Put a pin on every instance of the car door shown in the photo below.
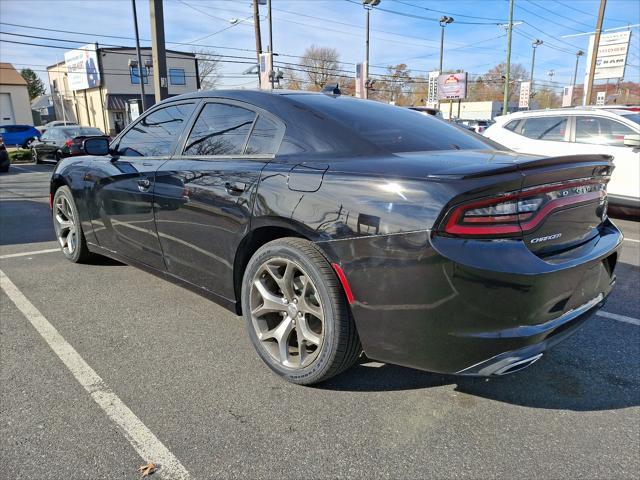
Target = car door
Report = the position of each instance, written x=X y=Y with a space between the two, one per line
x=46 y=146
x=597 y=134
x=205 y=193
x=544 y=135
x=121 y=197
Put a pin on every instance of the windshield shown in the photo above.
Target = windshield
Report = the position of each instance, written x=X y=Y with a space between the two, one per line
x=392 y=128
x=81 y=132
x=634 y=117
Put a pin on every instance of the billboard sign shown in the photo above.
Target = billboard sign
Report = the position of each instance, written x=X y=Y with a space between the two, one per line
x=452 y=86
x=612 y=55
x=525 y=94
x=82 y=68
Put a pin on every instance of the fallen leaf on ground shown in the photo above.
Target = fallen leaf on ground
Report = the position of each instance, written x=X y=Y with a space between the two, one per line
x=146 y=469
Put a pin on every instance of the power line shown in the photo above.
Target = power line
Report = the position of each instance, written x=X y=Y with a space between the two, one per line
x=559 y=15
x=501 y=20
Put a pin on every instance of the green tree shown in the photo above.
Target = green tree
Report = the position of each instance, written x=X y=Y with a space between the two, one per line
x=34 y=84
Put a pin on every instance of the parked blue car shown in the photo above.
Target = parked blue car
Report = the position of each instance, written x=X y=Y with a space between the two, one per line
x=20 y=135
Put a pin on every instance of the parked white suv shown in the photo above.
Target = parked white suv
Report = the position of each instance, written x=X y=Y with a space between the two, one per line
x=572 y=131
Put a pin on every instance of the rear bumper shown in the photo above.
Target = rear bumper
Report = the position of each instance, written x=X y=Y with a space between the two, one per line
x=470 y=307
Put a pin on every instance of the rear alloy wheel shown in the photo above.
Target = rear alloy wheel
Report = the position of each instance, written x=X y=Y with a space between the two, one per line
x=296 y=313
x=34 y=155
x=66 y=223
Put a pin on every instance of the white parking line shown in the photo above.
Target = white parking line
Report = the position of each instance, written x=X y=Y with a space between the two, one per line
x=619 y=318
x=139 y=436
x=631 y=240
x=26 y=254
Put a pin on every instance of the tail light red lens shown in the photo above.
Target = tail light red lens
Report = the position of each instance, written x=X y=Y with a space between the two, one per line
x=520 y=212
x=69 y=143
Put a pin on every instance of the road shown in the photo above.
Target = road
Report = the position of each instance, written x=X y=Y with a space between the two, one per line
x=185 y=369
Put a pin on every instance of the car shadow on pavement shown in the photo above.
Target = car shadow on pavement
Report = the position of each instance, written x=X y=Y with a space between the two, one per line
x=25 y=221
x=571 y=376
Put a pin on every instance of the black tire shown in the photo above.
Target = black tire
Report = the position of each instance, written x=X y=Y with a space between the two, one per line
x=81 y=253
x=58 y=156
x=34 y=156
x=341 y=346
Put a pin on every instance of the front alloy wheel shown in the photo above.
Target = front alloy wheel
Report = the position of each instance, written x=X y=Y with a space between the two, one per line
x=296 y=312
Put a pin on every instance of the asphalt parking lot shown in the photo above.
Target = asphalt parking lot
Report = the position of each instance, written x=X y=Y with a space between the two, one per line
x=200 y=400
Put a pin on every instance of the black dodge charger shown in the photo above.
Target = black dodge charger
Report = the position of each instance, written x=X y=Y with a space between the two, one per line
x=336 y=225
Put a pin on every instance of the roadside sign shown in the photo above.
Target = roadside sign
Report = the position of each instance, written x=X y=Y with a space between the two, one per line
x=266 y=66
x=360 y=80
x=452 y=86
x=600 y=99
x=432 y=94
x=567 y=96
x=525 y=94
x=612 y=55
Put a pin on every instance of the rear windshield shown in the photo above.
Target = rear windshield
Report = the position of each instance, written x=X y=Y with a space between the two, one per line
x=81 y=132
x=392 y=128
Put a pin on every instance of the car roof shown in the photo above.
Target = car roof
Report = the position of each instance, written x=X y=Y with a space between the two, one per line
x=605 y=112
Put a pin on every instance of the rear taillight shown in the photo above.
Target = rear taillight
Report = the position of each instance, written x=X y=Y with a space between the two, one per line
x=519 y=212
x=69 y=143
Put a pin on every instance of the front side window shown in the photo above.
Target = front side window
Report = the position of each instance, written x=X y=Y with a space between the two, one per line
x=155 y=134
x=135 y=75
x=601 y=131
x=176 y=76
x=545 y=128
x=221 y=129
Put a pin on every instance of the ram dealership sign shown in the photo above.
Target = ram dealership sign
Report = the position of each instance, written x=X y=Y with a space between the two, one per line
x=612 y=55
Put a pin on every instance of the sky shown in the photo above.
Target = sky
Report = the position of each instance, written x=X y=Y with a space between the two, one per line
x=402 y=31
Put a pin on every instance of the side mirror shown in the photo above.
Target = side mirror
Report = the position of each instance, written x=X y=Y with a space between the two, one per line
x=96 y=146
x=632 y=140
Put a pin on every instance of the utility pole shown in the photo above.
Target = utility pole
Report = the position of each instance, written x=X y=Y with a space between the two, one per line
x=271 y=74
x=368 y=5
x=594 y=52
x=579 y=53
x=534 y=45
x=158 y=51
x=256 y=27
x=140 y=65
x=505 y=101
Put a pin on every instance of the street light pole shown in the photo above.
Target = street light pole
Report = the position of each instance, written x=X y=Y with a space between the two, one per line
x=579 y=53
x=534 y=45
x=368 y=5
x=444 y=21
x=505 y=101
x=139 y=55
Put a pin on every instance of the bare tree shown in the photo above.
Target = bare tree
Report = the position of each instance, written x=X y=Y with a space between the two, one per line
x=319 y=65
x=490 y=86
x=208 y=68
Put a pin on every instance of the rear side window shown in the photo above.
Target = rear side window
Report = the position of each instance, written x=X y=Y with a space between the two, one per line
x=155 y=134
x=512 y=125
x=392 y=128
x=601 y=131
x=220 y=129
x=263 y=138
x=545 y=128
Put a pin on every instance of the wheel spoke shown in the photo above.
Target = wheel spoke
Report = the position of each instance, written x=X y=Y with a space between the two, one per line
x=270 y=302
x=305 y=332
x=71 y=244
x=285 y=282
x=305 y=305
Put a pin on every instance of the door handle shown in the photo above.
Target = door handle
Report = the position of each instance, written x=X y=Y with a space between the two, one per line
x=234 y=188
x=144 y=184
